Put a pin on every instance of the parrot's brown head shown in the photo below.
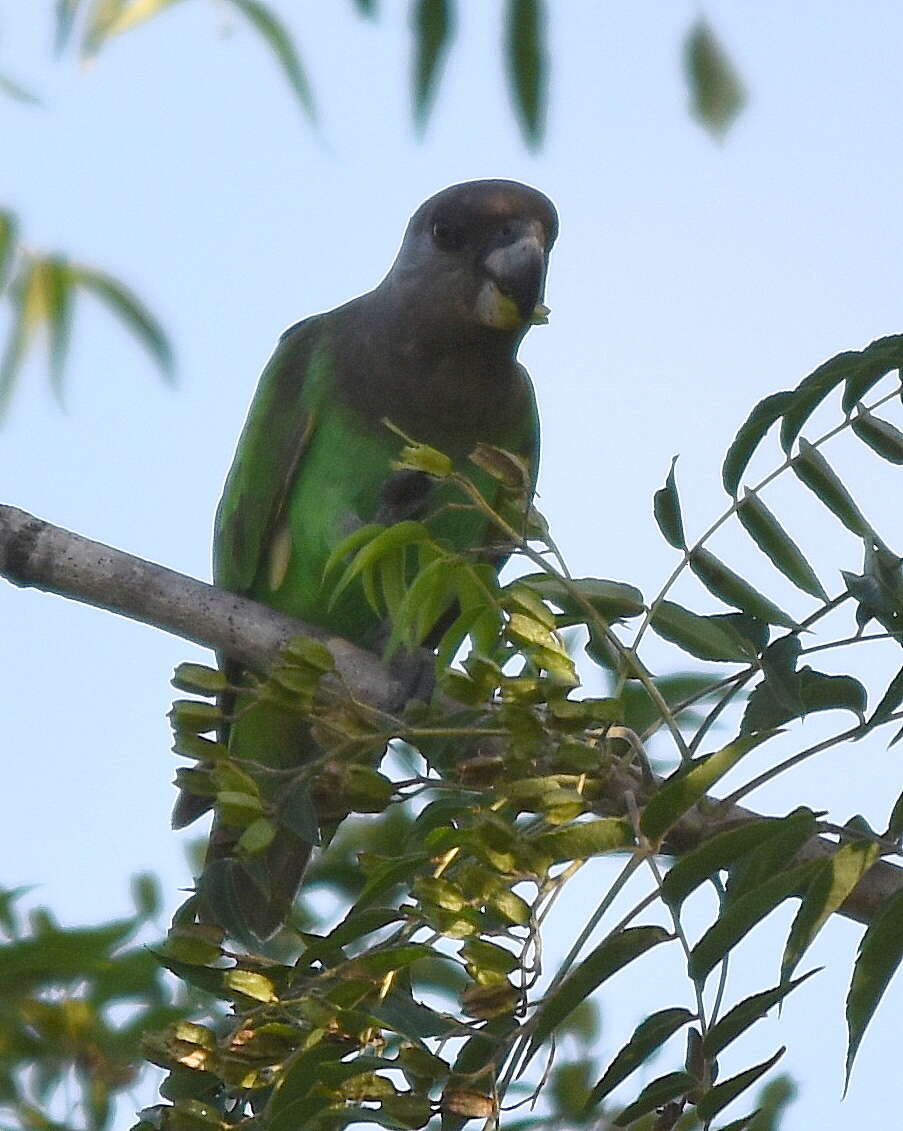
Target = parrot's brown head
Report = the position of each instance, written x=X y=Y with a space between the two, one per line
x=474 y=259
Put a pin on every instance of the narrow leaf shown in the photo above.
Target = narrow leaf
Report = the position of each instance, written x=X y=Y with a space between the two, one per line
x=65 y=18
x=716 y=92
x=274 y=32
x=705 y=637
x=648 y=1036
x=655 y=1095
x=666 y=507
x=742 y=1016
x=866 y=369
x=9 y=231
x=433 y=27
x=733 y=590
x=751 y=434
x=811 y=467
x=527 y=59
x=15 y=90
x=26 y=297
x=788 y=835
x=129 y=308
x=776 y=543
x=723 y=1094
x=611 y=599
x=682 y=791
x=611 y=955
x=740 y=917
x=58 y=287
x=830 y=887
x=880 y=952
x=810 y=393
x=880 y=435
x=581 y=841
x=711 y=857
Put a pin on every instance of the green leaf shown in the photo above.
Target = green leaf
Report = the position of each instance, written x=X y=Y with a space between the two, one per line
x=865 y=369
x=811 y=468
x=277 y=38
x=9 y=232
x=198 y=679
x=830 y=887
x=366 y=8
x=705 y=637
x=655 y=1095
x=648 y=1036
x=610 y=956
x=666 y=508
x=880 y=435
x=27 y=299
x=681 y=792
x=65 y=18
x=131 y=311
x=751 y=434
x=711 y=857
x=815 y=691
x=56 y=283
x=776 y=543
x=880 y=952
x=15 y=90
x=810 y=393
x=58 y=956
x=716 y=92
x=740 y=917
x=433 y=26
x=611 y=599
x=742 y=1016
x=723 y=1094
x=527 y=61
x=250 y=984
x=890 y=701
x=376 y=543
x=581 y=841
x=788 y=835
x=733 y=590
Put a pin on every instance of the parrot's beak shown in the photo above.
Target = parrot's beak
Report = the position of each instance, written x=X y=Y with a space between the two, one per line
x=512 y=294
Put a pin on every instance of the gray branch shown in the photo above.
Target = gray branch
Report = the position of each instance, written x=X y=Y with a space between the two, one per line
x=36 y=554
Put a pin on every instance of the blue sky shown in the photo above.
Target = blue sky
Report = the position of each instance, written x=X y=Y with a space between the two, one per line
x=691 y=278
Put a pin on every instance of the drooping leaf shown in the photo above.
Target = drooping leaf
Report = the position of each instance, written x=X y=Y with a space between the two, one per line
x=731 y=588
x=776 y=543
x=611 y=599
x=880 y=435
x=9 y=232
x=648 y=1036
x=723 y=1094
x=811 y=467
x=682 y=791
x=751 y=434
x=828 y=890
x=711 y=857
x=280 y=42
x=866 y=369
x=655 y=1095
x=705 y=637
x=740 y=917
x=666 y=507
x=27 y=298
x=810 y=393
x=610 y=956
x=742 y=1016
x=526 y=56
x=716 y=92
x=15 y=90
x=66 y=11
x=433 y=25
x=880 y=952
x=131 y=311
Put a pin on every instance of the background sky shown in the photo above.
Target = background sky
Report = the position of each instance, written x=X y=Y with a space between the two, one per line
x=691 y=278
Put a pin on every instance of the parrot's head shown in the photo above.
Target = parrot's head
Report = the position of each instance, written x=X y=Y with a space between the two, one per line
x=474 y=259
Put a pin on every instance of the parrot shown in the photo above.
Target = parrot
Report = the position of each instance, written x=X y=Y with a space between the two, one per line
x=433 y=350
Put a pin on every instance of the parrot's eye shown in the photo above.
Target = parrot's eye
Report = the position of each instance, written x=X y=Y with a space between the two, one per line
x=446 y=236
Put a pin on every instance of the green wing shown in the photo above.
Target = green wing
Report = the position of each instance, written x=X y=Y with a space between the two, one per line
x=277 y=432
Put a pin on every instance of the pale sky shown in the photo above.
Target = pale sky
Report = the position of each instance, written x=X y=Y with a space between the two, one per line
x=691 y=278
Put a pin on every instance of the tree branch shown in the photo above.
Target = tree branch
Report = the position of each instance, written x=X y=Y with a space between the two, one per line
x=36 y=554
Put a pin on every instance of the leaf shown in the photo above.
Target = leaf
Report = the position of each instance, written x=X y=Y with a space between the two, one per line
x=810 y=393
x=15 y=90
x=815 y=691
x=751 y=434
x=723 y=1094
x=880 y=952
x=880 y=435
x=527 y=60
x=262 y=17
x=711 y=857
x=129 y=308
x=776 y=543
x=666 y=508
x=788 y=836
x=648 y=1036
x=705 y=637
x=828 y=890
x=581 y=841
x=716 y=92
x=811 y=468
x=739 y=1019
x=611 y=599
x=681 y=792
x=611 y=955
x=733 y=590
x=297 y=812
x=379 y=541
x=866 y=369
x=433 y=27
x=9 y=232
x=740 y=917
x=28 y=298
x=65 y=18
x=655 y=1095
x=366 y=8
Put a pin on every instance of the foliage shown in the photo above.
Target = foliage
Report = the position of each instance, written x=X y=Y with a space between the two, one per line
x=427 y=994
x=40 y=287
